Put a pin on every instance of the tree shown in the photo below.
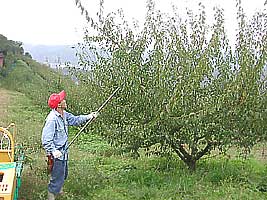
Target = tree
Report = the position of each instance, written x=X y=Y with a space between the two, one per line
x=181 y=91
x=10 y=46
x=27 y=54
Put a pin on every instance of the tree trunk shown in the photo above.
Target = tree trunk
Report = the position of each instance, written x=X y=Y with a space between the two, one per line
x=191 y=164
x=190 y=159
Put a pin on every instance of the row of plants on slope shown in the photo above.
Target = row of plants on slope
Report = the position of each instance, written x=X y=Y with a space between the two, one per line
x=11 y=51
x=35 y=80
x=21 y=73
x=183 y=88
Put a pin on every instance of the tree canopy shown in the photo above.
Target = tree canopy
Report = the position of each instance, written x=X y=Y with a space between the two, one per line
x=184 y=88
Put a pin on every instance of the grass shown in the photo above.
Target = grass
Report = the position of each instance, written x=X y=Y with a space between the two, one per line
x=98 y=171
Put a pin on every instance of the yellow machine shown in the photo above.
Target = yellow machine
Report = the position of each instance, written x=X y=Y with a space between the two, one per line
x=10 y=167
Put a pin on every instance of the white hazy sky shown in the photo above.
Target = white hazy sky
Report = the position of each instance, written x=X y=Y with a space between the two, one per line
x=55 y=22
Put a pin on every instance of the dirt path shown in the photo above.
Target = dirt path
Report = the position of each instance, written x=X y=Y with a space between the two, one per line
x=6 y=98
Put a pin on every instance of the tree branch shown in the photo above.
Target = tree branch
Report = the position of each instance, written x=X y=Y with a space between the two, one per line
x=204 y=151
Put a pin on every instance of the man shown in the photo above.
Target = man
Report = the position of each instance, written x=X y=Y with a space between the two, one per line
x=55 y=139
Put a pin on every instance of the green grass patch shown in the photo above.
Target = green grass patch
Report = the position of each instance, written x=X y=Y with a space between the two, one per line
x=96 y=174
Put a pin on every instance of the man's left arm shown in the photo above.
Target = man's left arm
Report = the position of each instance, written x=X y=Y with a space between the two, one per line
x=79 y=119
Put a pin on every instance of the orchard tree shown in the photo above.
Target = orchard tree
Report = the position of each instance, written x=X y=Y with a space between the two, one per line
x=184 y=88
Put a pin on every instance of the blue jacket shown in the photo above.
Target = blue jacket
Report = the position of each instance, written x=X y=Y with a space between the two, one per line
x=55 y=130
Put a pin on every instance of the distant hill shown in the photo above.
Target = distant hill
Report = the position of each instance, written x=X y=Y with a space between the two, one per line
x=52 y=54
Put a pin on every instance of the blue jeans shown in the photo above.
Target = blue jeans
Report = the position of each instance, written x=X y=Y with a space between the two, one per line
x=59 y=174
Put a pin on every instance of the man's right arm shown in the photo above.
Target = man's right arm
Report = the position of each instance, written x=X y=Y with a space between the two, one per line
x=48 y=136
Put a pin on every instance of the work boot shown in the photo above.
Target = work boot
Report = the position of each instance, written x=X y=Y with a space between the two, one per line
x=51 y=196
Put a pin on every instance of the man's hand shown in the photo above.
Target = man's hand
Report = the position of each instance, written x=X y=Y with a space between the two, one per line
x=92 y=115
x=56 y=154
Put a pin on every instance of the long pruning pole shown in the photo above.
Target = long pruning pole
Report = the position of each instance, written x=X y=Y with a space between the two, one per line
x=89 y=121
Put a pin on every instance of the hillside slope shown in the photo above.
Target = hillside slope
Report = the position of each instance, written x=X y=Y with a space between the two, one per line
x=33 y=79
